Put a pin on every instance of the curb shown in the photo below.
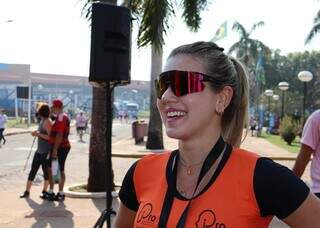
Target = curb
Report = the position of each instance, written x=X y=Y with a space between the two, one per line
x=86 y=195
x=17 y=133
x=22 y=131
x=123 y=155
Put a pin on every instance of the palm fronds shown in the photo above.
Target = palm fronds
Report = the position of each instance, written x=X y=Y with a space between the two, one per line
x=191 y=13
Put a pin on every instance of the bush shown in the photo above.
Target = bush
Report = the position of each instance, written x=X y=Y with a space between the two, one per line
x=288 y=129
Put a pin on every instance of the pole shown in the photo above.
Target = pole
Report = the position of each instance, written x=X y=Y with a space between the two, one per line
x=269 y=108
x=106 y=214
x=304 y=101
x=25 y=165
x=257 y=102
x=29 y=100
x=282 y=105
x=108 y=155
x=16 y=105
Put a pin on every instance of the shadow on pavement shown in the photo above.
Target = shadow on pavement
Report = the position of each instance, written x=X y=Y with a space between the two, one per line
x=50 y=214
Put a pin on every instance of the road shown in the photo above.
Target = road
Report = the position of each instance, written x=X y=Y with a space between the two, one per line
x=14 y=153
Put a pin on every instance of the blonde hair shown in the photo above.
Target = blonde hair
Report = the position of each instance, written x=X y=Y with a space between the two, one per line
x=226 y=71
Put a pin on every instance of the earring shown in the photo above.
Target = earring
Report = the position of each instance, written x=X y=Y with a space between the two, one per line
x=219 y=112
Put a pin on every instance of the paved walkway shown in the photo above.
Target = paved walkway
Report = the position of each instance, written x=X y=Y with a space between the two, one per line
x=75 y=212
x=15 y=130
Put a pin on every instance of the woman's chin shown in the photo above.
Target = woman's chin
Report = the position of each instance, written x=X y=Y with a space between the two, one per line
x=175 y=134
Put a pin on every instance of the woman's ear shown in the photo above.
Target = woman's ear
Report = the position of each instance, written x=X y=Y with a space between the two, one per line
x=224 y=98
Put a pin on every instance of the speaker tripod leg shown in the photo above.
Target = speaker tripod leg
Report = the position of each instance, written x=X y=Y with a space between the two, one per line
x=103 y=217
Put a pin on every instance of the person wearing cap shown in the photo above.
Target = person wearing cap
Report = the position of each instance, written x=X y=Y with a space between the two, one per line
x=60 y=147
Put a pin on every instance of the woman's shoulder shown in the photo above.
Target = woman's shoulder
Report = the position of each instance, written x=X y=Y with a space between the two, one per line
x=155 y=156
x=278 y=191
x=48 y=121
x=245 y=155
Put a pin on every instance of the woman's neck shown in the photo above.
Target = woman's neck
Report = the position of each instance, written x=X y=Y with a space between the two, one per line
x=197 y=148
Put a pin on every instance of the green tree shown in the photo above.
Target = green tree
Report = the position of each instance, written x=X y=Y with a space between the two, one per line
x=286 y=68
x=315 y=28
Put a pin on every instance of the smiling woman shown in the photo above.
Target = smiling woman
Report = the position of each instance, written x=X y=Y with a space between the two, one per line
x=203 y=103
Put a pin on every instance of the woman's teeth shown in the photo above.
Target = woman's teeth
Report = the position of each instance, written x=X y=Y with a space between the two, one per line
x=175 y=114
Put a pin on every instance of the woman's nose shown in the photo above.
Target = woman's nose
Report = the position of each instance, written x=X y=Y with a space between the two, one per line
x=168 y=96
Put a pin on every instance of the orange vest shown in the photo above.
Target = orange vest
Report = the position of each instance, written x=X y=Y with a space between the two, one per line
x=229 y=202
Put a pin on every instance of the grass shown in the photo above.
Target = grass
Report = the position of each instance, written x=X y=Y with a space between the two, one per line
x=79 y=188
x=143 y=114
x=19 y=123
x=278 y=141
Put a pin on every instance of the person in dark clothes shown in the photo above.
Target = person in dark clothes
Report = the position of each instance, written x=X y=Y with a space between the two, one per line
x=39 y=158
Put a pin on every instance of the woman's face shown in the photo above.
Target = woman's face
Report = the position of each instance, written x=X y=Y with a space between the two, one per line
x=191 y=114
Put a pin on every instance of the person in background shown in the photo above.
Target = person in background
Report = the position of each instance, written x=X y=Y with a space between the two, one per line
x=60 y=147
x=3 y=121
x=253 y=125
x=81 y=124
x=310 y=145
x=209 y=181
x=39 y=158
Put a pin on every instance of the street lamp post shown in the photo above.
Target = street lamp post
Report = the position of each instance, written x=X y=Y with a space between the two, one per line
x=269 y=94
x=283 y=86
x=304 y=76
x=275 y=97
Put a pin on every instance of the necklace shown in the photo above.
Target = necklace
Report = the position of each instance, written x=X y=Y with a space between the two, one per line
x=189 y=167
x=186 y=191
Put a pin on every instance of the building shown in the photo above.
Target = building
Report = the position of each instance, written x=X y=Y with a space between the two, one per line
x=75 y=91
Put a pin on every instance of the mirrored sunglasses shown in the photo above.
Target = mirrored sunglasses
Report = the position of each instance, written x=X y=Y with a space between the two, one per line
x=181 y=82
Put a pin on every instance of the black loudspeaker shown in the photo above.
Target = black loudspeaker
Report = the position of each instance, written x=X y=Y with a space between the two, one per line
x=22 y=92
x=110 y=58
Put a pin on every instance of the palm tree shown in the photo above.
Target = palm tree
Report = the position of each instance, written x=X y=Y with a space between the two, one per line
x=315 y=28
x=247 y=49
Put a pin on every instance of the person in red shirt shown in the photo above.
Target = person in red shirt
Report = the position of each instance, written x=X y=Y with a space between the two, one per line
x=60 y=147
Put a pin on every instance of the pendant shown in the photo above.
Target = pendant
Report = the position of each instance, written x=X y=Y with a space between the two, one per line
x=182 y=192
x=189 y=171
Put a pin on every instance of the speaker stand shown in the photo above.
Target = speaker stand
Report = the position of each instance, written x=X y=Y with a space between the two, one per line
x=106 y=214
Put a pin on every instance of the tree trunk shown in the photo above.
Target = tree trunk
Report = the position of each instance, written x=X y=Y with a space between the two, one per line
x=97 y=148
x=155 y=138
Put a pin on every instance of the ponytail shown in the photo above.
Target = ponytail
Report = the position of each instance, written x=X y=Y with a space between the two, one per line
x=235 y=117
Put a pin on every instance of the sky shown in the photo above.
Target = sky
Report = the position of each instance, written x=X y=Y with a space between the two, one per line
x=53 y=38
